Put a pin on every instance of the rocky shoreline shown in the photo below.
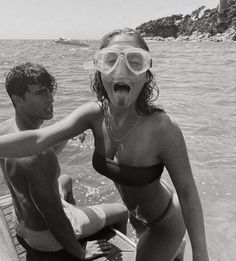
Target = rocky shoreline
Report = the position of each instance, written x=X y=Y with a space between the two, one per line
x=202 y=25
x=227 y=36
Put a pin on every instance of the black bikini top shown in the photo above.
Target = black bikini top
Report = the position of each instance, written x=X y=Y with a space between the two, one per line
x=126 y=175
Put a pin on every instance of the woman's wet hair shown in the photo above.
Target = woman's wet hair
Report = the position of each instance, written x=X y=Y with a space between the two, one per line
x=150 y=91
x=20 y=76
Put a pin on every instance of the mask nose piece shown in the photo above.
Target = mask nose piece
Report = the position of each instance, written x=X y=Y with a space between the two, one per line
x=121 y=66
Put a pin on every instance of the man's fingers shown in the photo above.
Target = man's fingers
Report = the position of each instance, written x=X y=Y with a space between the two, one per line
x=105 y=243
x=106 y=246
x=101 y=252
x=102 y=241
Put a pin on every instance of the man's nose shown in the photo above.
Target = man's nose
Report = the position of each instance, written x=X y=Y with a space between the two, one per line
x=50 y=96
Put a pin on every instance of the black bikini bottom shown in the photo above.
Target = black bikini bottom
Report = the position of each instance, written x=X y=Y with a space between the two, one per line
x=158 y=219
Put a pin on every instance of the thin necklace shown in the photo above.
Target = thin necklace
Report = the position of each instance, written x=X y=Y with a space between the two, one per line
x=108 y=124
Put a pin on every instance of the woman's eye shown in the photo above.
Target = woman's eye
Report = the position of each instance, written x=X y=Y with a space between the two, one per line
x=111 y=61
x=134 y=62
x=110 y=58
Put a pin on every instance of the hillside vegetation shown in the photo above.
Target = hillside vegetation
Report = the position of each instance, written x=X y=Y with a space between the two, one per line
x=204 y=22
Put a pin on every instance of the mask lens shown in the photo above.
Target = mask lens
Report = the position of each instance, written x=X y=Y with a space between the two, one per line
x=109 y=60
x=136 y=61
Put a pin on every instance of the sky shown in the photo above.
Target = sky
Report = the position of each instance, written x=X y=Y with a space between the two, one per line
x=84 y=19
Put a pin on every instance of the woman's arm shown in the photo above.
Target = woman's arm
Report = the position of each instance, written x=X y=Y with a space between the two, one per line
x=175 y=157
x=31 y=142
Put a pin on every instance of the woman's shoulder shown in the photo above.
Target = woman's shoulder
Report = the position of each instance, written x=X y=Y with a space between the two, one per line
x=93 y=111
x=164 y=124
x=92 y=107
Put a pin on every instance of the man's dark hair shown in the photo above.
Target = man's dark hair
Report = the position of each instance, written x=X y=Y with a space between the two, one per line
x=20 y=76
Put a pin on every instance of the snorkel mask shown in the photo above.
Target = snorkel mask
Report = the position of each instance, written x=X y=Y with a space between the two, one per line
x=137 y=60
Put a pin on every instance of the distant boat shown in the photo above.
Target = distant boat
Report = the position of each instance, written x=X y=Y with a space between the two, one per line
x=71 y=42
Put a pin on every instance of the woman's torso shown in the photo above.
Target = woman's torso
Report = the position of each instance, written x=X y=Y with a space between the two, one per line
x=141 y=149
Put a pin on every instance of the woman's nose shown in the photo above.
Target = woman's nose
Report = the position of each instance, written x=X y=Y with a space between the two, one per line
x=121 y=67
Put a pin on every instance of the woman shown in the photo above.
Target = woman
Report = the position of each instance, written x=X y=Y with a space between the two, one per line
x=134 y=141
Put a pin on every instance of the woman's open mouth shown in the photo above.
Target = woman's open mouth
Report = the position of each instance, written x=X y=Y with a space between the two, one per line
x=121 y=87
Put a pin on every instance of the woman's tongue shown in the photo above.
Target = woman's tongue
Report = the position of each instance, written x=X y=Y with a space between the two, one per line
x=121 y=92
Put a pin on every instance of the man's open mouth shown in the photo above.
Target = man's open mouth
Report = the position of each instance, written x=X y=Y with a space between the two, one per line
x=121 y=87
x=49 y=109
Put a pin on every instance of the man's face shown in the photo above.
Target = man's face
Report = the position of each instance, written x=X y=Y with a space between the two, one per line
x=38 y=102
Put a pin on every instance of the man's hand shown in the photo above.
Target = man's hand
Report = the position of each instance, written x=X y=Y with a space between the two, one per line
x=96 y=248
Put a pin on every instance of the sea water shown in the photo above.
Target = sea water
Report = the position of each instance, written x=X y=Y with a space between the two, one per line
x=197 y=83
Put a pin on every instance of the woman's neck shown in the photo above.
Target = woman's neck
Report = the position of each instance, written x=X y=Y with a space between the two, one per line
x=119 y=116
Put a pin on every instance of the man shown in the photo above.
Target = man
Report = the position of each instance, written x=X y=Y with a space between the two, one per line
x=45 y=216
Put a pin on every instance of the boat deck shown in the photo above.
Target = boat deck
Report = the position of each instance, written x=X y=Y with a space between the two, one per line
x=11 y=250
